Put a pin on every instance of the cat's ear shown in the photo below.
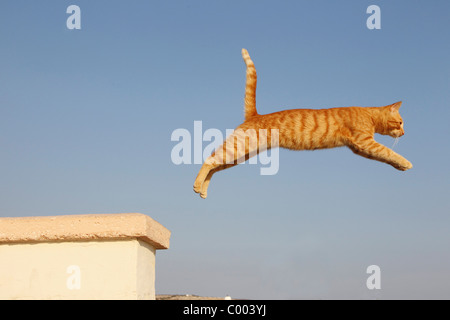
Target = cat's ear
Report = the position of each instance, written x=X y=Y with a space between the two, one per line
x=395 y=106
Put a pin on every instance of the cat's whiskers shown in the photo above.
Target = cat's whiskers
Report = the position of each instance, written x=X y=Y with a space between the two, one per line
x=395 y=142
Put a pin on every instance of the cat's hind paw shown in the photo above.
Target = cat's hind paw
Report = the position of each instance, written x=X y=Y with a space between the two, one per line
x=197 y=188
x=203 y=194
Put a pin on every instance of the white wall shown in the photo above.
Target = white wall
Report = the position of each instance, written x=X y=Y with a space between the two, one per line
x=103 y=269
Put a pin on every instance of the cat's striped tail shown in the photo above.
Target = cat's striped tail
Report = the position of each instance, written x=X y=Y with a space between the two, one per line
x=250 y=87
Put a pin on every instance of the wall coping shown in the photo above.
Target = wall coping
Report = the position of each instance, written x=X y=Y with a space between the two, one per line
x=84 y=228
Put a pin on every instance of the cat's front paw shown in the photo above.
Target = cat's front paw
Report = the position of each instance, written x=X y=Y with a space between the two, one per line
x=405 y=165
x=409 y=166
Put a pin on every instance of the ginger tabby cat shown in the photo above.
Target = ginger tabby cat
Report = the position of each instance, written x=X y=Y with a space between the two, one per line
x=305 y=129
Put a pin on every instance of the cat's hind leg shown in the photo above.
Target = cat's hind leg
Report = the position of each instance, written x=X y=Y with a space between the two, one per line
x=202 y=175
x=205 y=185
x=238 y=147
x=211 y=165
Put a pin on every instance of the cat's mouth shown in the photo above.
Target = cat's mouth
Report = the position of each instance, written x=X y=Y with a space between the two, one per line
x=397 y=134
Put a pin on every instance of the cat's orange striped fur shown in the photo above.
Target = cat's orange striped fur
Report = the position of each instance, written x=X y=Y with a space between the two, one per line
x=305 y=129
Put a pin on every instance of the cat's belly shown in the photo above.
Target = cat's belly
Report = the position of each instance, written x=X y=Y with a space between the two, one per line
x=298 y=144
x=310 y=138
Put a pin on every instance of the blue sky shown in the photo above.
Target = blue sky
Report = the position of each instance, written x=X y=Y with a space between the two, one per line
x=86 y=118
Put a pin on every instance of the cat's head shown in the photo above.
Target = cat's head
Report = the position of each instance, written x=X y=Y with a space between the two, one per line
x=392 y=121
